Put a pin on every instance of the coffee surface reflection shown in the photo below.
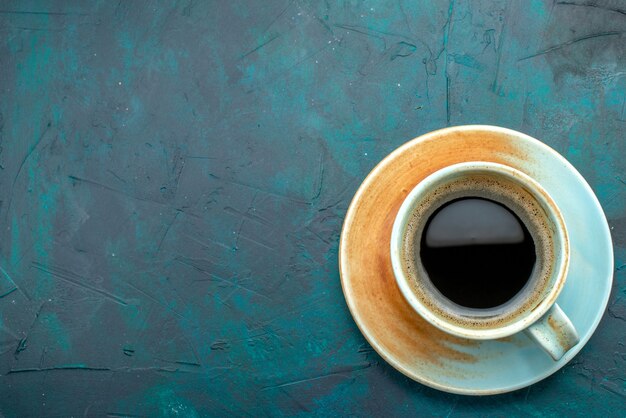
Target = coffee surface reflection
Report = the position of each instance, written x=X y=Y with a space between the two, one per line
x=477 y=252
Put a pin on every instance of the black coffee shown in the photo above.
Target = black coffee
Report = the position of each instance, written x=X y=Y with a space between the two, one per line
x=477 y=252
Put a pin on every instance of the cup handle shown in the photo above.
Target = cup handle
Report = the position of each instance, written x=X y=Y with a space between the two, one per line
x=554 y=332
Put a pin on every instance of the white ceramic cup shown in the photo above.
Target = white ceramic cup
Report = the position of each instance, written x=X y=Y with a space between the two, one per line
x=533 y=309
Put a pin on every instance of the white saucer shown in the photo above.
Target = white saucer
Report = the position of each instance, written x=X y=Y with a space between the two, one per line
x=414 y=347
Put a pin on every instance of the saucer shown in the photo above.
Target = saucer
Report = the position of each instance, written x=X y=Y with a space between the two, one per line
x=409 y=343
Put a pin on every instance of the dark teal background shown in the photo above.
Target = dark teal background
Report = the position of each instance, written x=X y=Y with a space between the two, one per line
x=174 y=175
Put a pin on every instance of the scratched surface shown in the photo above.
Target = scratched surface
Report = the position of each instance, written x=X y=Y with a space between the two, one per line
x=173 y=181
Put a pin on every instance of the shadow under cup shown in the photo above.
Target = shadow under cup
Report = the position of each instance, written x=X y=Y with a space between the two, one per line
x=534 y=208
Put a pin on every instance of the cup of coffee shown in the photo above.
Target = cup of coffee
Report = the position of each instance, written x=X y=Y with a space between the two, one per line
x=480 y=250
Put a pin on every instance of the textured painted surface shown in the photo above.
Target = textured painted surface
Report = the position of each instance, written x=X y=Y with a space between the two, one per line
x=173 y=180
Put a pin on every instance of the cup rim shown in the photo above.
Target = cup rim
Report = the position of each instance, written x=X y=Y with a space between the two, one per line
x=397 y=243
